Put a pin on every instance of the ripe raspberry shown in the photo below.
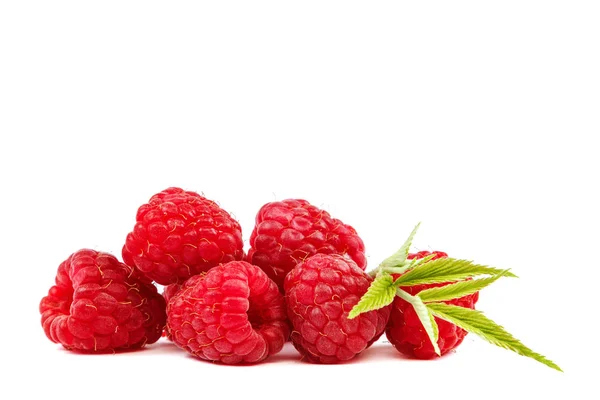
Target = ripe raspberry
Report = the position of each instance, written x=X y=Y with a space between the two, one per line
x=405 y=330
x=171 y=290
x=320 y=292
x=179 y=234
x=232 y=314
x=99 y=304
x=168 y=293
x=290 y=231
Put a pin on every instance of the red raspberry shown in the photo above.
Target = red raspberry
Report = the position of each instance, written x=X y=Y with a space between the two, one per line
x=232 y=314
x=179 y=234
x=99 y=305
x=168 y=293
x=320 y=292
x=171 y=290
x=405 y=330
x=290 y=231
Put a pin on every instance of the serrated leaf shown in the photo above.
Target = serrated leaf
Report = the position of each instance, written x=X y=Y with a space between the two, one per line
x=399 y=257
x=446 y=270
x=475 y=322
x=409 y=264
x=458 y=289
x=425 y=316
x=381 y=292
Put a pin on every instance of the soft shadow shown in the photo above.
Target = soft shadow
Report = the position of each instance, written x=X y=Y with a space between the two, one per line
x=287 y=354
x=164 y=346
x=382 y=351
x=103 y=353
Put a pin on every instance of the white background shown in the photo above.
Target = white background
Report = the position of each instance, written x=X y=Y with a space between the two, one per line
x=477 y=118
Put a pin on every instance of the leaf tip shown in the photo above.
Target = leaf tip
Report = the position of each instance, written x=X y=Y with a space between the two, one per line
x=353 y=313
x=556 y=367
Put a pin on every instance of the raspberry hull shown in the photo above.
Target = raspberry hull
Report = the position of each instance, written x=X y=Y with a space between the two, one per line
x=405 y=330
x=289 y=231
x=232 y=314
x=320 y=292
x=100 y=305
x=179 y=234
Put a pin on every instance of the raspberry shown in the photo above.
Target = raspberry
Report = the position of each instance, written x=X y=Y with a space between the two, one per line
x=290 y=231
x=320 y=292
x=232 y=314
x=405 y=330
x=100 y=305
x=179 y=234
x=171 y=290
x=168 y=293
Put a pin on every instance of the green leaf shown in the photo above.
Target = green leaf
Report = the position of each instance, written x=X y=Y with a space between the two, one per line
x=475 y=322
x=399 y=257
x=458 y=289
x=409 y=264
x=381 y=293
x=425 y=316
x=446 y=270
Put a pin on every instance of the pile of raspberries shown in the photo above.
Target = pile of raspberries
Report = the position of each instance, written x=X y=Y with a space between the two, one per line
x=302 y=275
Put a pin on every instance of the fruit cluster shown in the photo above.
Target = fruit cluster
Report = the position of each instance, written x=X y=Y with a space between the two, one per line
x=303 y=280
